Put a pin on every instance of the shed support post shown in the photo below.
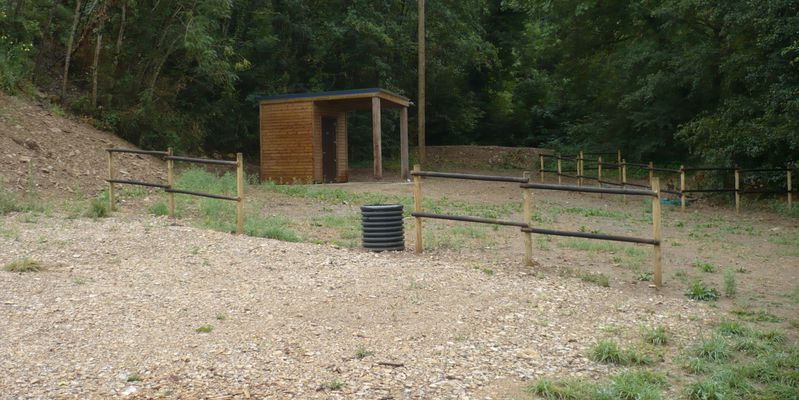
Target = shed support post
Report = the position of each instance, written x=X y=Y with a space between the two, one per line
x=376 y=134
x=404 y=173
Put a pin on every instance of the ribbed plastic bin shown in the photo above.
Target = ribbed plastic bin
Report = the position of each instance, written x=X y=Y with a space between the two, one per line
x=382 y=228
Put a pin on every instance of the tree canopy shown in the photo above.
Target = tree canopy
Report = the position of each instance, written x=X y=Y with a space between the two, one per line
x=687 y=80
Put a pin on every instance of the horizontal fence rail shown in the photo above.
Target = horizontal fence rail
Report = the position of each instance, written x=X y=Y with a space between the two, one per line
x=201 y=194
x=587 y=235
x=169 y=186
x=473 y=177
x=201 y=160
x=587 y=189
x=138 y=183
x=478 y=220
x=137 y=151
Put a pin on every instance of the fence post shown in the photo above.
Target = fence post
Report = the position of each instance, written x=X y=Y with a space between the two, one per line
x=580 y=168
x=541 y=168
x=790 y=194
x=560 y=178
x=417 y=206
x=239 y=193
x=651 y=171
x=656 y=230
x=170 y=181
x=599 y=174
x=682 y=187
x=618 y=162
x=111 y=200
x=527 y=196
x=737 y=190
x=624 y=178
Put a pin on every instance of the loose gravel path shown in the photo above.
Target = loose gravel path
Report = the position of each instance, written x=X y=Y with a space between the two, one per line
x=122 y=299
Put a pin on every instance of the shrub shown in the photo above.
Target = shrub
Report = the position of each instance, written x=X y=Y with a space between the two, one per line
x=656 y=336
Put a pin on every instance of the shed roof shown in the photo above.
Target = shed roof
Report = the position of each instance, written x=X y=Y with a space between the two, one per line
x=351 y=99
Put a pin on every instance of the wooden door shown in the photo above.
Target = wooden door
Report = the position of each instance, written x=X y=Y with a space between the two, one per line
x=329 y=149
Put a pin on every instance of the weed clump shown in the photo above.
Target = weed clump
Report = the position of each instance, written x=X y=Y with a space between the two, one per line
x=26 y=264
x=699 y=291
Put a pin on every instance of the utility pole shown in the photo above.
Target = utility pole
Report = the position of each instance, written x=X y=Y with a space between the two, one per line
x=421 y=40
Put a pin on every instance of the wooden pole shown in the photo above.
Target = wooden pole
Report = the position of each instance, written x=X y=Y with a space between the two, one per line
x=239 y=194
x=417 y=207
x=527 y=195
x=377 y=148
x=618 y=161
x=599 y=170
x=624 y=178
x=651 y=171
x=682 y=187
x=404 y=170
x=737 y=190
x=790 y=191
x=580 y=168
x=560 y=178
x=111 y=199
x=541 y=166
x=657 y=232
x=170 y=181
x=421 y=39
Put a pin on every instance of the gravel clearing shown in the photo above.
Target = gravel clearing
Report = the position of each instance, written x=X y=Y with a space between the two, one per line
x=117 y=311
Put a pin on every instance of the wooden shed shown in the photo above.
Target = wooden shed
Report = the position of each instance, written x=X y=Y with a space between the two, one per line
x=304 y=136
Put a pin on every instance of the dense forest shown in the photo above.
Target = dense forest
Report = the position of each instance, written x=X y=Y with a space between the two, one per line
x=699 y=81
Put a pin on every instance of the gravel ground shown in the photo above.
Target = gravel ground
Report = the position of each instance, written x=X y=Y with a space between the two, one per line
x=123 y=297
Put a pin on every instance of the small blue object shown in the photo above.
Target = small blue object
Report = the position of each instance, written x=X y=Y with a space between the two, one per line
x=672 y=202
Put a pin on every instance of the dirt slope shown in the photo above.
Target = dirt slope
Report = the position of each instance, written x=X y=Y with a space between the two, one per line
x=58 y=156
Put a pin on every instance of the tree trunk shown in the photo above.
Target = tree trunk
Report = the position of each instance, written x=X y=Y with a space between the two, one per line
x=95 y=65
x=120 y=35
x=70 y=42
x=18 y=8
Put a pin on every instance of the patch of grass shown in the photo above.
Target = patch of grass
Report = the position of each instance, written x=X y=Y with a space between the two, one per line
x=134 y=377
x=609 y=352
x=273 y=227
x=221 y=317
x=645 y=276
x=705 y=266
x=205 y=329
x=699 y=291
x=487 y=271
x=596 y=278
x=333 y=385
x=627 y=385
x=794 y=296
x=596 y=212
x=26 y=264
x=567 y=389
x=159 y=208
x=756 y=316
x=656 y=336
x=11 y=202
x=98 y=208
x=714 y=349
x=591 y=245
x=361 y=353
x=730 y=287
x=79 y=281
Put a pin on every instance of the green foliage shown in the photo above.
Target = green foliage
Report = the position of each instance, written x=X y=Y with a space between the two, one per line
x=705 y=266
x=204 y=329
x=699 y=291
x=98 y=207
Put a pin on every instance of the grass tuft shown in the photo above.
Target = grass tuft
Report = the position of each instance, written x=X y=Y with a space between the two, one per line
x=26 y=264
x=361 y=353
x=730 y=287
x=714 y=349
x=699 y=291
x=205 y=329
x=596 y=278
x=705 y=266
x=333 y=385
x=608 y=352
x=656 y=336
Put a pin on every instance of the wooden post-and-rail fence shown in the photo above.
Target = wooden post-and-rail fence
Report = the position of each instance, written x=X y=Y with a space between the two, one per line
x=169 y=187
x=683 y=192
x=526 y=225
